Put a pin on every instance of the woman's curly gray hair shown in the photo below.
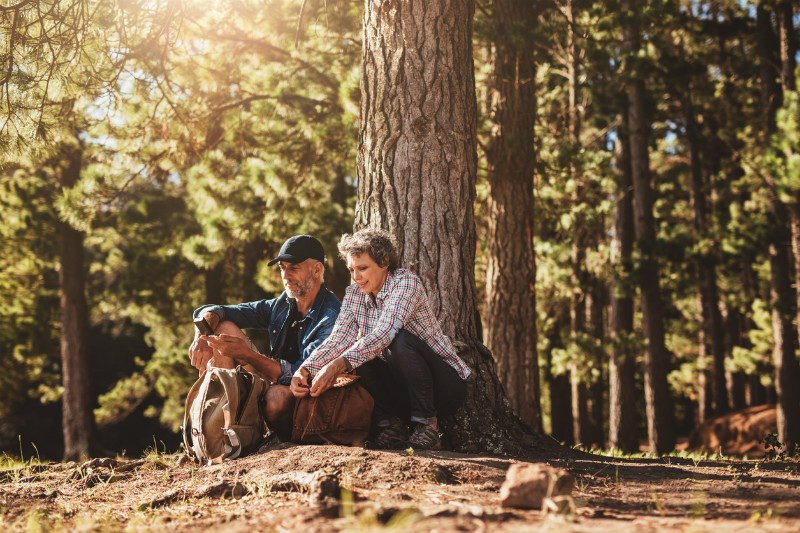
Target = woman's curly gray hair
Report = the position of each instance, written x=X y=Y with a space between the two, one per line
x=375 y=242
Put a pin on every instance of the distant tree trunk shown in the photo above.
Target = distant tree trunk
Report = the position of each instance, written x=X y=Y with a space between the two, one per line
x=417 y=166
x=558 y=385
x=595 y=313
x=657 y=396
x=580 y=364
x=511 y=269
x=789 y=369
x=213 y=283
x=782 y=295
x=738 y=318
x=755 y=393
x=77 y=415
x=736 y=380
x=705 y=395
x=706 y=265
x=253 y=253
x=577 y=353
x=622 y=364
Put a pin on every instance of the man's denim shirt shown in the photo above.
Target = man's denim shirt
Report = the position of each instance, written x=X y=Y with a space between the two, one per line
x=272 y=314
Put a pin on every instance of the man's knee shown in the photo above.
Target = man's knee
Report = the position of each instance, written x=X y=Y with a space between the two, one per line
x=229 y=328
x=279 y=403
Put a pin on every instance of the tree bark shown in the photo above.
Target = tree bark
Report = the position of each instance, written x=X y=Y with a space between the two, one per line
x=417 y=166
x=781 y=291
x=595 y=319
x=657 y=396
x=510 y=330
x=77 y=415
x=622 y=422
x=558 y=386
x=706 y=265
x=581 y=360
x=782 y=296
x=736 y=380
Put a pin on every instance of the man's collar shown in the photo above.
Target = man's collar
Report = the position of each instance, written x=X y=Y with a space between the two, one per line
x=318 y=301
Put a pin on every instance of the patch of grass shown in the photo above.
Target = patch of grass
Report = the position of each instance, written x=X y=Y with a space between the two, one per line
x=159 y=458
x=656 y=501
x=694 y=456
x=396 y=520
x=614 y=452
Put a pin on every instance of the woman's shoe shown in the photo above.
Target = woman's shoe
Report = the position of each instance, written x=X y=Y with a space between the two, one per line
x=393 y=437
x=425 y=437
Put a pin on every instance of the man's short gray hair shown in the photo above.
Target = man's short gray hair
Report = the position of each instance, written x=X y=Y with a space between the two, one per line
x=377 y=243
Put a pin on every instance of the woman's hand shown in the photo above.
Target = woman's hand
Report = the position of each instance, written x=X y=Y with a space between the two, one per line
x=299 y=384
x=327 y=376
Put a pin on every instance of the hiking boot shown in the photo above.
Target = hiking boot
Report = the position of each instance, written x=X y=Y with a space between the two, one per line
x=425 y=437
x=392 y=437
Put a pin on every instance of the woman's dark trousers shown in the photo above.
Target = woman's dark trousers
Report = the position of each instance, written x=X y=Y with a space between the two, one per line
x=413 y=383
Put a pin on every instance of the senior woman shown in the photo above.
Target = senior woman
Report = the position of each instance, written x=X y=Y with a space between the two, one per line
x=386 y=331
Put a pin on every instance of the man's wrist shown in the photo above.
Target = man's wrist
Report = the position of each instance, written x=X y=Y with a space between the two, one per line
x=348 y=367
x=213 y=319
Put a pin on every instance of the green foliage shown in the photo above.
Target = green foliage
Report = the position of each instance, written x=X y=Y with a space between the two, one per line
x=207 y=139
x=28 y=286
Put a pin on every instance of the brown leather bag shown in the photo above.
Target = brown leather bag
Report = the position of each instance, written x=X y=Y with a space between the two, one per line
x=340 y=415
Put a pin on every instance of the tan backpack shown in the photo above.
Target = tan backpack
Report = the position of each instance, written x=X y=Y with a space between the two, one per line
x=223 y=419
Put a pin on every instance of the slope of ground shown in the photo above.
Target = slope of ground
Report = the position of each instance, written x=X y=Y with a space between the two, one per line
x=333 y=488
x=737 y=433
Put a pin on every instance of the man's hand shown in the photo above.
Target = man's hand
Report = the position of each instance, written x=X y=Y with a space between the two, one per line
x=299 y=384
x=236 y=348
x=327 y=376
x=200 y=353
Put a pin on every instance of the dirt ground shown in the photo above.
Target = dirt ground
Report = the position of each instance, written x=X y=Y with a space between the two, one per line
x=334 y=488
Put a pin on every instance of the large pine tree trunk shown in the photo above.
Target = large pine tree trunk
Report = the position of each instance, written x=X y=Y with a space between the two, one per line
x=622 y=364
x=417 y=166
x=510 y=330
x=77 y=415
x=657 y=396
x=781 y=291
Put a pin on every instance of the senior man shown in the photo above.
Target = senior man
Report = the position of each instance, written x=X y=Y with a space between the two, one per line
x=297 y=321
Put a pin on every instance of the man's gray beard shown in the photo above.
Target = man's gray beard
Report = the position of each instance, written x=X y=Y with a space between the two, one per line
x=301 y=291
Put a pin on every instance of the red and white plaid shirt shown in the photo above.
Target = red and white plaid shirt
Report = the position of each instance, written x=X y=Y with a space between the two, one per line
x=364 y=329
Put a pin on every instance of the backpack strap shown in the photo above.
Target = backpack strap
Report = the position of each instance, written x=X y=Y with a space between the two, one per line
x=187 y=421
x=230 y=382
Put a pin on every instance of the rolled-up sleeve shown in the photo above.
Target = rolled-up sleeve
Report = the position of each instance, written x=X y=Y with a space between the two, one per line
x=343 y=335
x=250 y=315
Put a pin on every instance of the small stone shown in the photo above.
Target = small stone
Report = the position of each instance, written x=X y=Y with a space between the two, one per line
x=527 y=485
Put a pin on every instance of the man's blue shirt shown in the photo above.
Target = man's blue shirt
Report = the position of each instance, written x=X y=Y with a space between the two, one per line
x=271 y=315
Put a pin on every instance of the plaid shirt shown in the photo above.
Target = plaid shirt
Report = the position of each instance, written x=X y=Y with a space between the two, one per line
x=364 y=328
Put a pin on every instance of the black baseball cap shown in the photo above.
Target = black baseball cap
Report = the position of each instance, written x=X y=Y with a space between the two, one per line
x=299 y=248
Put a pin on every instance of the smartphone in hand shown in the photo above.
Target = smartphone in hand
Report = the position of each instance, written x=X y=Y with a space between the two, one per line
x=202 y=325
